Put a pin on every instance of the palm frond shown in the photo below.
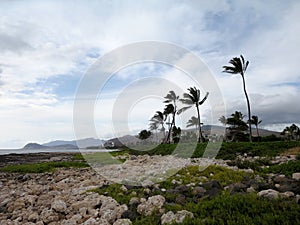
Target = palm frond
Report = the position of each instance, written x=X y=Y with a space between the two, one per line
x=204 y=99
x=183 y=109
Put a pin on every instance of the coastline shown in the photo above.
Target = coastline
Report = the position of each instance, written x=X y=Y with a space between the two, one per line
x=27 y=158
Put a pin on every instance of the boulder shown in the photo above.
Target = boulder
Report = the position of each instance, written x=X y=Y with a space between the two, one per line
x=122 y=222
x=179 y=217
x=59 y=206
x=296 y=176
x=270 y=194
x=212 y=184
x=287 y=194
x=198 y=191
x=91 y=221
x=152 y=204
x=49 y=216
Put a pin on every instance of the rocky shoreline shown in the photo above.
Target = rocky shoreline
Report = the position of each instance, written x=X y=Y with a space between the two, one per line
x=63 y=196
x=14 y=159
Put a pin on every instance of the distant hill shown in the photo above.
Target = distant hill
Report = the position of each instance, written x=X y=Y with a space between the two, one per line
x=82 y=143
x=38 y=146
x=125 y=140
x=34 y=146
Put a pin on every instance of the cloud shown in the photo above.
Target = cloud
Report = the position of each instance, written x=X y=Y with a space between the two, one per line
x=47 y=46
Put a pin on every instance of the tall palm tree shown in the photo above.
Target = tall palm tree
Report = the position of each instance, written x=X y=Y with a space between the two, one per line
x=193 y=98
x=239 y=66
x=254 y=120
x=171 y=109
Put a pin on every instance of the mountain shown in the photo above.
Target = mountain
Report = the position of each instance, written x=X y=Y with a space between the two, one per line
x=34 y=146
x=38 y=146
x=82 y=143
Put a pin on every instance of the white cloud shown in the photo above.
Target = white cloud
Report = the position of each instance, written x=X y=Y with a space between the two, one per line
x=40 y=40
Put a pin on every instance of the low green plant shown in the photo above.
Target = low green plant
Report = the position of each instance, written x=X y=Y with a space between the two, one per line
x=41 y=167
x=114 y=190
x=285 y=168
x=255 y=165
x=242 y=209
x=228 y=150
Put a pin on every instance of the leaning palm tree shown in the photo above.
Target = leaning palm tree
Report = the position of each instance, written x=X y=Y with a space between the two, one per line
x=194 y=98
x=239 y=66
x=255 y=121
x=158 y=119
x=171 y=109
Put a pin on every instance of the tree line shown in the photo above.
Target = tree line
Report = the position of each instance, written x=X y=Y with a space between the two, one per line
x=236 y=128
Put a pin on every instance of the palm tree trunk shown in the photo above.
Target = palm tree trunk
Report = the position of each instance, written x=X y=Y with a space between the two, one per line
x=248 y=106
x=170 y=130
x=257 y=131
x=200 y=138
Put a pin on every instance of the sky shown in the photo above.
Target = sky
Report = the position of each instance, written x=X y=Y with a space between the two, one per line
x=47 y=47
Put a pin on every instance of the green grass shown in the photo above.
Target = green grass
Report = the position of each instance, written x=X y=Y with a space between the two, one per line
x=78 y=157
x=123 y=197
x=192 y=174
x=242 y=209
x=285 y=168
x=228 y=150
x=238 y=209
x=41 y=167
x=188 y=175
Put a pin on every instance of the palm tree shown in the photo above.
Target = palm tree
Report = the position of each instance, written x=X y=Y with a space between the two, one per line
x=254 y=120
x=194 y=98
x=237 y=126
x=171 y=109
x=239 y=66
x=288 y=133
x=158 y=119
x=223 y=120
x=193 y=121
x=154 y=126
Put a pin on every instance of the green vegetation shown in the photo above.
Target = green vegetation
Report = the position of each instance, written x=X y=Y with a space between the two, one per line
x=239 y=66
x=285 y=168
x=229 y=150
x=121 y=196
x=41 y=167
x=196 y=174
x=237 y=209
x=243 y=209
